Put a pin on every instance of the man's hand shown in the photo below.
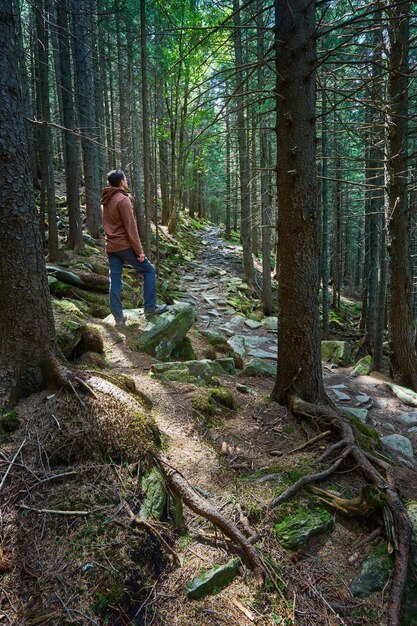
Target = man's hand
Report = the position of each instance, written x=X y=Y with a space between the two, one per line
x=141 y=258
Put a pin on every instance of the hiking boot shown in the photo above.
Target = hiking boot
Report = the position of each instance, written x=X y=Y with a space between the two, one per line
x=121 y=323
x=161 y=308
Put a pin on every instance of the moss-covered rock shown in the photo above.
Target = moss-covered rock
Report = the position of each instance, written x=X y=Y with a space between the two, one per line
x=213 y=579
x=214 y=338
x=9 y=422
x=190 y=371
x=294 y=532
x=69 y=325
x=373 y=574
x=161 y=334
x=362 y=367
x=184 y=351
x=209 y=400
x=155 y=495
x=338 y=352
x=91 y=339
x=257 y=367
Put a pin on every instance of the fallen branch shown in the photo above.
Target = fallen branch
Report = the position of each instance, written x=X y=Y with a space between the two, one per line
x=53 y=511
x=310 y=442
x=196 y=503
x=3 y=480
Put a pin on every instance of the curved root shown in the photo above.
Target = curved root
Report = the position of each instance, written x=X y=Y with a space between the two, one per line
x=330 y=417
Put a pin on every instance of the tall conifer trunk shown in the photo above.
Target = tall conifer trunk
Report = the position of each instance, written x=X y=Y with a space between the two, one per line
x=27 y=336
x=403 y=360
x=299 y=360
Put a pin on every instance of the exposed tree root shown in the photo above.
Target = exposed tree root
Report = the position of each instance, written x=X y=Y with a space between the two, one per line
x=362 y=506
x=196 y=503
x=401 y=526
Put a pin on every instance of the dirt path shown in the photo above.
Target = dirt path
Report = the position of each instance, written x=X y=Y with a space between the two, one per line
x=219 y=457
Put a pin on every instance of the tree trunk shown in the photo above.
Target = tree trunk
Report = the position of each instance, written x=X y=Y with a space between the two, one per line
x=71 y=147
x=245 y=222
x=46 y=137
x=403 y=360
x=83 y=67
x=146 y=236
x=299 y=370
x=27 y=335
x=325 y=218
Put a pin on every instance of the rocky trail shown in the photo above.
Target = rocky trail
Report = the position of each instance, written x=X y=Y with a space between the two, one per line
x=237 y=448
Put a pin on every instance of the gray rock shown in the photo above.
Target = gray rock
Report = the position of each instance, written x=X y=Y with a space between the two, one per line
x=388 y=427
x=406 y=419
x=252 y=324
x=271 y=323
x=341 y=386
x=398 y=443
x=340 y=395
x=237 y=345
x=362 y=398
x=215 y=578
x=373 y=575
x=360 y=414
x=213 y=312
x=380 y=403
x=253 y=341
x=262 y=354
x=256 y=367
x=413 y=430
x=227 y=331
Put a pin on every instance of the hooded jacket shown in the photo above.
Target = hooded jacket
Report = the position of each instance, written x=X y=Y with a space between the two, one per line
x=119 y=222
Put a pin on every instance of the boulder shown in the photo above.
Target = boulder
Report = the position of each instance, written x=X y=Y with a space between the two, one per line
x=214 y=338
x=271 y=323
x=193 y=371
x=263 y=354
x=295 y=531
x=407 y=396
x=362 y=367
x=338 y=352
x=373 y=574
x=160 y=334
x=360 y=414
x=253 y=324
x=153 y=488
x=69 y=325
x=257 y=367
x=215 y=578
x=237 y=346
x=398 y=443
x=406 y=419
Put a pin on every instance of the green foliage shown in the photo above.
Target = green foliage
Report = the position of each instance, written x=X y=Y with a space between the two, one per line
x=9 y=422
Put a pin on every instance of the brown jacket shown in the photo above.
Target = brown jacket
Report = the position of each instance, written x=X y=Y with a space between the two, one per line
x=119 y=222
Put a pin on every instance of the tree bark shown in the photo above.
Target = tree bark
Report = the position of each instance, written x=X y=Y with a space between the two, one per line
x=27 y=335
x=245 y=222
x=299 y=370
x=403 y=358
x=71 y=147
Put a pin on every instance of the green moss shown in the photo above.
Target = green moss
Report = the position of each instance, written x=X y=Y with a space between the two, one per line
x=208 y=401
x=294 y=532
x=9 y=422
x=109 y=596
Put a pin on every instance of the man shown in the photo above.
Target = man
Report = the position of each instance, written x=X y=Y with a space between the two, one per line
x=123 y=246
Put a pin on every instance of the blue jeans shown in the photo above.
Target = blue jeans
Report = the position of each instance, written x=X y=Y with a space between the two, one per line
x=116 y=262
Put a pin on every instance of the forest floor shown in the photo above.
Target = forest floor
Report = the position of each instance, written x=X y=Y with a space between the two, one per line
x=228 y=458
